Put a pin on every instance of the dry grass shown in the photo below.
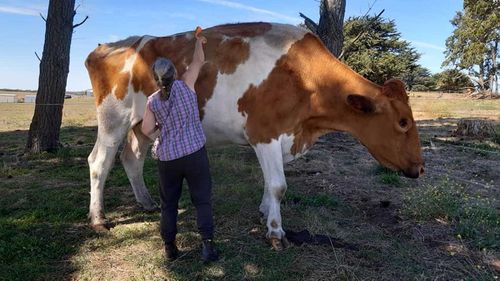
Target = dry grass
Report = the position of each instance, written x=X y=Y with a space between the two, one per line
x=430 y=105
x=76 y=112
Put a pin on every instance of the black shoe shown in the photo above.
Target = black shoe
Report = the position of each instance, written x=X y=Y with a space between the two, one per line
x=171 y=251
x=208 y=251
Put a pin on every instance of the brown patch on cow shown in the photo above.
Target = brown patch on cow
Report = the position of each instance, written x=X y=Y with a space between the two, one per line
x=284 y=97
x=222 y=56
x=142 y=76
x=231 y=53
x=105 y=73
x=205 y=85
x=274 y=224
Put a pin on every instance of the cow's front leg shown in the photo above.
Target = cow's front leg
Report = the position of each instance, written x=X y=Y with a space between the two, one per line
x=271 y=161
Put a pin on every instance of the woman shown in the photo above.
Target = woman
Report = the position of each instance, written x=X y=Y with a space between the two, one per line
x=173 y=109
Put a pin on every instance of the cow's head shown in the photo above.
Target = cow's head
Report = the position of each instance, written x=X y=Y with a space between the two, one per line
x=388 y=129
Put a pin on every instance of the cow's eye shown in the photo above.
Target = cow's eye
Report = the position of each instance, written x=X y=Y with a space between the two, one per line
x=403 y=123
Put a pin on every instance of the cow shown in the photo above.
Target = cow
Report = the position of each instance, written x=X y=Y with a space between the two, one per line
x=274 y=87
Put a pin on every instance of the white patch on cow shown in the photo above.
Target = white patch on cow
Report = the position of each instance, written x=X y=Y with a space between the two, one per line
x=129 y=64
x=287 y=142
x=222 y=122
x=145 y=39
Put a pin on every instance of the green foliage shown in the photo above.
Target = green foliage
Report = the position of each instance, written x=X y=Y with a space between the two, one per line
x=474 y=219
x=420 y=79
x=380 y=53
x=473 y=46
x=452 y=80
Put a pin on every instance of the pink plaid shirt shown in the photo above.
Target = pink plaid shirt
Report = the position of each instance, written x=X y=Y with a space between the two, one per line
x=178 y=117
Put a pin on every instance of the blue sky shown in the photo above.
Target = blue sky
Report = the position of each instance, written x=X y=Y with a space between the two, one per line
x=425 y=23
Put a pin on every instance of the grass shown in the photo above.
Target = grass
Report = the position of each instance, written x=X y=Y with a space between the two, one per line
x=474 y=219
x=44 y=202
x=387 y=176
x=427 y=105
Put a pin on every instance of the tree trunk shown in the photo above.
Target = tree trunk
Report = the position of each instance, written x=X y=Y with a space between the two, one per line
x=331 y=25
x=54 y=67
x=494 y=70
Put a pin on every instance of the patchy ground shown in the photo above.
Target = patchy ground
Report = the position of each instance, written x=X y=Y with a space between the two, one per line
x=444 y=226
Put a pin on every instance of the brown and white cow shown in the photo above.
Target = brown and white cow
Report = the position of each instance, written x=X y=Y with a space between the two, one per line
x=274 y=87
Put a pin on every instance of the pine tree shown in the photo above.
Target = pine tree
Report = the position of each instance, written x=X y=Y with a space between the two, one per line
x=380 y=54
x=473 y=46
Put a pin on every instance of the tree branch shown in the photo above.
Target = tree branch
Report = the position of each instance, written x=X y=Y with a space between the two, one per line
x=43 y=18
x=310 y=23
x=84 y=20
x=36 y=54
x=365 y=29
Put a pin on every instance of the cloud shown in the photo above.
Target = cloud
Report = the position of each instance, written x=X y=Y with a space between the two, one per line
x=235 y=5
x=19 y=10
x=426 y=45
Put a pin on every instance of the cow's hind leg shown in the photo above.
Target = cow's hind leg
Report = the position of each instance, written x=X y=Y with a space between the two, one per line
x=100 y=161
x=132 y=156
x=271 y=161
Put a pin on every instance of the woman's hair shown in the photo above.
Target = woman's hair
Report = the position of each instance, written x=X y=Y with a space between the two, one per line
x=165 y=73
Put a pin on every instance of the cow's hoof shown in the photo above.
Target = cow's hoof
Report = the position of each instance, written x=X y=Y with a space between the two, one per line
x=279 y=244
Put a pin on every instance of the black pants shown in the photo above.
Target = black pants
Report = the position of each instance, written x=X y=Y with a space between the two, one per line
x=194 y=168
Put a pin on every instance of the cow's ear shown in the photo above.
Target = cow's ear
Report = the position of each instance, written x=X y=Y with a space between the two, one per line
x=361 y=103
x=395 y=89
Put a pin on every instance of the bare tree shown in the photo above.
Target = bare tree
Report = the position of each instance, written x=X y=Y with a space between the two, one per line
x=331 y=24
x=54 y=67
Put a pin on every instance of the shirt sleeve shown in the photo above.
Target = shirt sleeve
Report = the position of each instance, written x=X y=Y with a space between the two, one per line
x=151 y=103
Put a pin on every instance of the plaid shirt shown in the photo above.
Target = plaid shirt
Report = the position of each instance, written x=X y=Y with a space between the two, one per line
x=178 y=118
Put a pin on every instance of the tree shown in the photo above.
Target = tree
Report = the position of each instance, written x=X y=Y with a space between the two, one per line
x=54 y=67
x=420 y=79
x=452 y=80
x=330 y=26
x=473 y=46
x=381 y=54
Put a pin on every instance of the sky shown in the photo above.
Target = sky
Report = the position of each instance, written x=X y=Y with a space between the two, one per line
x=424 y=23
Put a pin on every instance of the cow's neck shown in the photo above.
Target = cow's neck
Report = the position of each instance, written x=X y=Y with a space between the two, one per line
x=330 y=109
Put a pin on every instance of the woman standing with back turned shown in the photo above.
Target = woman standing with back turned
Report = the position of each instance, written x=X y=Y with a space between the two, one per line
x=173 y=109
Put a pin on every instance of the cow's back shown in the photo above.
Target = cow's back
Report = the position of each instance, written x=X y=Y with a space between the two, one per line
x=238 y=56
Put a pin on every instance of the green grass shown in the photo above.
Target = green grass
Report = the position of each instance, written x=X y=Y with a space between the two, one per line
x=474 y=219
x=387 y=176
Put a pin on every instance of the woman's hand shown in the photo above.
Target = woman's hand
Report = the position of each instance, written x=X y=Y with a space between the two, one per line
x=199 y=37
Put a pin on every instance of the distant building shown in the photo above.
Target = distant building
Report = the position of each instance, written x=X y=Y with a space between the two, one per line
x=7 y=98
x=29 y=98
x=89 y=93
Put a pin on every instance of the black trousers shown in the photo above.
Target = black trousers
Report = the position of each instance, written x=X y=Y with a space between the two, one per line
x=195 y=169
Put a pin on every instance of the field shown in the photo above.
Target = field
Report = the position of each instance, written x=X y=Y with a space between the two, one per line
x=444 y=226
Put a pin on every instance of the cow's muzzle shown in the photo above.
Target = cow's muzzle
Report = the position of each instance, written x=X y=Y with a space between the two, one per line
x=414 y=172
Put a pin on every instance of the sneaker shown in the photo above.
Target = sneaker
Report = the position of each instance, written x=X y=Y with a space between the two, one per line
x=208 y=251
x=171 y=251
